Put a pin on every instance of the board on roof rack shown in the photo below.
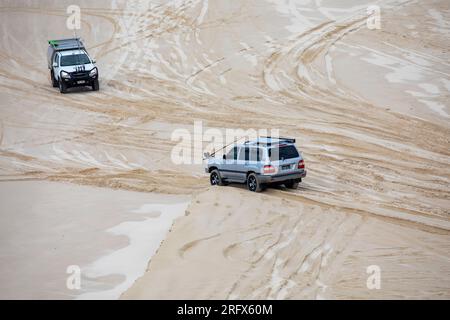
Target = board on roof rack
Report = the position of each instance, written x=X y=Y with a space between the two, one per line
x=62 y=45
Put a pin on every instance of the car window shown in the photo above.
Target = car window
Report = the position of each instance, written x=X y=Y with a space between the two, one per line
x=74 y=59
x=256 y=154
x=233 y=154
x=283 y=153
x=56 y=59
x=244 y=153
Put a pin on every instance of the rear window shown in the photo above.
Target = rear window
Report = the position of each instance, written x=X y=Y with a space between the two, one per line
x=283 y=153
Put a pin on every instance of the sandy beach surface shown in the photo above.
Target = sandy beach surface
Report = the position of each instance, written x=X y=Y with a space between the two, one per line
x=87 y=178
x=46 y=227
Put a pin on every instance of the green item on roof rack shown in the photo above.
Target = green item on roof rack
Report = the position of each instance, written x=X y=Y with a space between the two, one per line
x=53 y=42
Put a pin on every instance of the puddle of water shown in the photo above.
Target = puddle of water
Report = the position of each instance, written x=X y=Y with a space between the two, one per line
x=145 y=237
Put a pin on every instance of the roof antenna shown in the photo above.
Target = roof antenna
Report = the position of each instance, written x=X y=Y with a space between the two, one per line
x=79 y=48
x=208 y=155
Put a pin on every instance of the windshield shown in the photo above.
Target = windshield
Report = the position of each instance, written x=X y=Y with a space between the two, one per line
x=74 y=59
x=283 y=153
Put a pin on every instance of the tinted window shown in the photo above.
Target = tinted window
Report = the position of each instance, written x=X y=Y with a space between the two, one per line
x=74 y=59
x=286 y=152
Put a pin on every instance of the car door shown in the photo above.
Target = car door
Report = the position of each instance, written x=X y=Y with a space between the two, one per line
x=253 y=160
x=56 y=69
x=228 y=168
x=241 y=164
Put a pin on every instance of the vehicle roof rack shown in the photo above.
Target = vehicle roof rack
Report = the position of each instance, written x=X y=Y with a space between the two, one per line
x=66 y=44
x=270 y=141
x=281 y=139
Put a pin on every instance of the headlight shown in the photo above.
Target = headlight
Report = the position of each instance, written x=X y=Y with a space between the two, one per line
x=93 y=72
x=65 y=75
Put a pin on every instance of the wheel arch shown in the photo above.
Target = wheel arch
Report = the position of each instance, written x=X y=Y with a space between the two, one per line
x=249 y=173
x=213 y=168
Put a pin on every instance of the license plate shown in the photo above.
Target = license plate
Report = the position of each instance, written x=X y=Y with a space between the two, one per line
x=286 y=167
x=80 y=82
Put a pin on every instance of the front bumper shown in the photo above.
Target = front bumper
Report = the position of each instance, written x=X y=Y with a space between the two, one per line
x=282 y=177
x=77 y=80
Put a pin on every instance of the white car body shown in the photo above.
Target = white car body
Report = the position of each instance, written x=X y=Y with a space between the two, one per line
x=70 y=65
x=57 y=68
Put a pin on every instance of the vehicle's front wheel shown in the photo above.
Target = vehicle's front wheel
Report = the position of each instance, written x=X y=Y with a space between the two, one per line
x=62 y=87
x=95 y=85
x=54 y=81
x=291 y=184
x=215 y=178
x=253 y=184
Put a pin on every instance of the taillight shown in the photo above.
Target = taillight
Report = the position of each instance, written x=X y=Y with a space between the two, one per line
x=269 y=169
x=301 y=164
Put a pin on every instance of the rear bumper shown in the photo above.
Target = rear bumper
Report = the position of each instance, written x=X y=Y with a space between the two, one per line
x=282 y=177
x=298 y=175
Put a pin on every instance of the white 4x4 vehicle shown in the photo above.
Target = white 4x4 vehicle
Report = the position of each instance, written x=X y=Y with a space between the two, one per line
x=70 y=65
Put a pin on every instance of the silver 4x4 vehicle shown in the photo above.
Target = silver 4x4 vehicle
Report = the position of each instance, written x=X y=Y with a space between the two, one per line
x=70 y=65
x=259 y=163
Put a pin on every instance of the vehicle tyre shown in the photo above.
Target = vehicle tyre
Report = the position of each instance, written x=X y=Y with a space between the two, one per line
x=54 y=81
x=62 y=87
x=253 y=183
x=215 y=178
x=95 y=85
x=291 y=184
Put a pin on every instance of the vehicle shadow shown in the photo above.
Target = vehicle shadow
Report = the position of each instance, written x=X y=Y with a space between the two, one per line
x=243 y=186
x=79 y=90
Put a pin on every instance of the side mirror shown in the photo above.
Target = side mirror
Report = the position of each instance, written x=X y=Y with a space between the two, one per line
x=224 y=157
x=207 y=155
x=94 y=61
x=55 y=64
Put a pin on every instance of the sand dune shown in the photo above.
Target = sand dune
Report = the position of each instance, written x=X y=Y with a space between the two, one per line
x=369 y=110
x=276 y=247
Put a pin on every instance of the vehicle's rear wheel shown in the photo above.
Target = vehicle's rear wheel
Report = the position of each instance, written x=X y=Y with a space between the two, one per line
x=215 y=178
x=62 y=87
x=253 y=184
x=54 y=81
x=291 y=184
x=95 y=85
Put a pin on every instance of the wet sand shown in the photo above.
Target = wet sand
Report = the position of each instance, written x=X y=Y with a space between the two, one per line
x=109 y=234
